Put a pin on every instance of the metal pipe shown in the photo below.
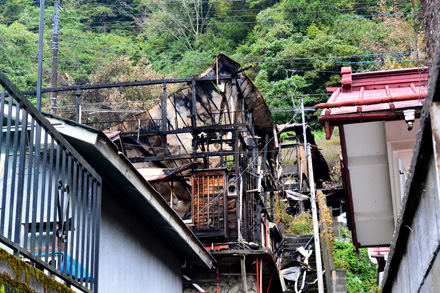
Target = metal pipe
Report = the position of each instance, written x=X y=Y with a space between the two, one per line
x=194 y=284
x=315 y=222
x=78 y=105
x=243 y=273
x=50 y=195
x=40 y=54
x=43 y=194
x=53 y=99
x=407 y=97
x=304 y=126
x=6 y=168
x=313 y=203
x=270 y=283
x=218 y=284
x=257 y=270
x=261 y=276
x=74 y=203
x=12 y=197
x=21 y=178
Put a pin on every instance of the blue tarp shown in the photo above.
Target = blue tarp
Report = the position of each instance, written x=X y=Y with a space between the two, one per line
x=79 y=272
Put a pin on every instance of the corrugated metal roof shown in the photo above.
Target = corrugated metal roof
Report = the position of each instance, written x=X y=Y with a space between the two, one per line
x=363 y=95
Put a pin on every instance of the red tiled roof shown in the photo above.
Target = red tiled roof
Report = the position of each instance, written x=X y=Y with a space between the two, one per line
x=374 y=96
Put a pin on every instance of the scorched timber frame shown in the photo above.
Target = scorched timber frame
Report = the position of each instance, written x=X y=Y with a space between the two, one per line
x=234 y=135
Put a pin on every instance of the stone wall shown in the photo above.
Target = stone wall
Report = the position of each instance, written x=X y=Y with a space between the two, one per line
x=18 y=276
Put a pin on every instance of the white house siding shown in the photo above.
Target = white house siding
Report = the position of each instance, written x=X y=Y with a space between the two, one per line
x=370 y=182
x=419 y=268
x=133 y=257
x=400 y=146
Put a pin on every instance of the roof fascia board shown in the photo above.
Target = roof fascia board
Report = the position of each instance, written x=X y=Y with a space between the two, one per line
x=179 y=235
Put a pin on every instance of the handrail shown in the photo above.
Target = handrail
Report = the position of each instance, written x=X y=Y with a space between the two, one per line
x=15 y=92
x=50 y=196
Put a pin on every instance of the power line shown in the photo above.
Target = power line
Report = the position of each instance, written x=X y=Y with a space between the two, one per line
x=148 y=25
x=249 y=56
x=239 y=10
x=244 y=58
x=227 y=1
x=274 y=61
x=349 y=5
x=209 y=14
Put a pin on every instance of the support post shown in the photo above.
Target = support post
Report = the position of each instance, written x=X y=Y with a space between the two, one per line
x=264 y=166
x=54 y=79
x=272 y=205
x=243 y=273
x=234 y=101
x=261 y=276
x=164 y=119
x=257 y=219
x=313 y=203
x=193 y=117
x=193 y=104
x=78 y=105
x=315 y=222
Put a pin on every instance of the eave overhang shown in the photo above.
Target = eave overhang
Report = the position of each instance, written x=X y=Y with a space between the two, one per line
x=117 y=170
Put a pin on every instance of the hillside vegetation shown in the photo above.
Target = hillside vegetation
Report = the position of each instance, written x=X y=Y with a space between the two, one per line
x=295 y=47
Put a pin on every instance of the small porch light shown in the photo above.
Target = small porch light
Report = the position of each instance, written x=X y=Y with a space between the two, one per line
x=409 y=118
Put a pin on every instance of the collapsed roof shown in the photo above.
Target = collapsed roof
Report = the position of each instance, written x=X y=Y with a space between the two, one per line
x=150 y=143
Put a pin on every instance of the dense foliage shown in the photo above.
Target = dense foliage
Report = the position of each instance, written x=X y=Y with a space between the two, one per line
x=295 y=47
x=361 y=272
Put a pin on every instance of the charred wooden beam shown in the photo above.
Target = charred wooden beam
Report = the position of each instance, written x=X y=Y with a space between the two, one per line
x=127 y=84
x=177 y=113
x=193 y=104
x=139 y=146
x=178 y=138
x=257 y=223
x=164 y=119
x=180 y=157
x=213 y=128
x=272 y=203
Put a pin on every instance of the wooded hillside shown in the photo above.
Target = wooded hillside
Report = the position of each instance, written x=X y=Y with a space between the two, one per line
x=295 y=47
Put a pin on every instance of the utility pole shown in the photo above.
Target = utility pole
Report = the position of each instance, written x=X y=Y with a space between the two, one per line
x=54 y=79
x=313 y=203
x=40 y=55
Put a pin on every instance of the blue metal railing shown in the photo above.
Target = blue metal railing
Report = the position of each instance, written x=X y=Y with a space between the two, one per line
x=50 y=197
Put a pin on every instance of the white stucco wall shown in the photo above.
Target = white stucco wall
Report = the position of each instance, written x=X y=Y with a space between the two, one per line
x=400 y=146
x=133 y=257
x=370 y=182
